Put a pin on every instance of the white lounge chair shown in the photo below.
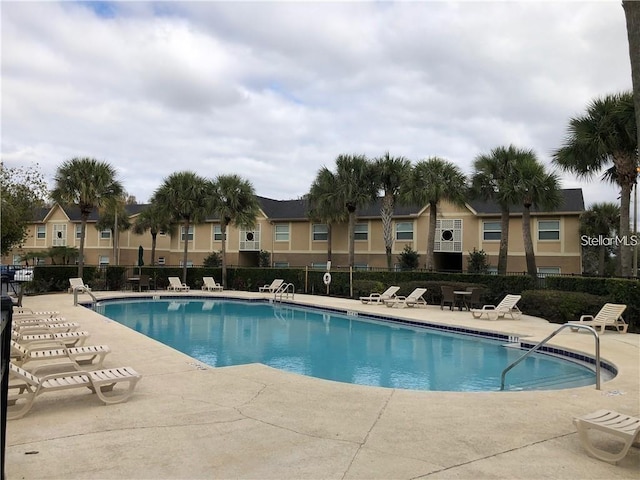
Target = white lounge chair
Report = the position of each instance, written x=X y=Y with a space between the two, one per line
x=610 y=315
x=506 y=307
x=79 y=285
x=23 y=355
x=100 y=382
x=275 y=285
x=388 y=294
x=209 y=284
x=26 y=328
x=69 y=339
x=412 y=300
x=176 y=285
x=623 y=426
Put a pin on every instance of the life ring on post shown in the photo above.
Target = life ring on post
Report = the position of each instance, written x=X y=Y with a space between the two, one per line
x=326 y=278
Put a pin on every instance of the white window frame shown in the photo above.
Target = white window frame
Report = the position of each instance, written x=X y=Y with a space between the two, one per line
x=549 y=271
x=103 y=260
x=105 y=234
x=320 y=232
x=161 y=261
x=41 y=232
x=281 y=232
x=546 y=230
x=280 y=264
x=59 y=235
x=402 y=232
x=361 y=232
x=189 y=234
x=319 y=265
x=217 y=233
x=488 y=228
x=189 y=263
x=78 y=232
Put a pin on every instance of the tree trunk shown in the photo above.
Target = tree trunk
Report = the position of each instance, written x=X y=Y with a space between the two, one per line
x=83 y=229
x=329 y=242
x=431 y=240
x=352 y=228
x=223 y=251
x=625 y=230
x=528 y=243
x=186 y=252
x=504 y=241
x=386 y=214
x=632 y=15
x=602 y=250
x=153 y=249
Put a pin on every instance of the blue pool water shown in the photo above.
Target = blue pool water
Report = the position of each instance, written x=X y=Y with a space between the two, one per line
x=339 y=347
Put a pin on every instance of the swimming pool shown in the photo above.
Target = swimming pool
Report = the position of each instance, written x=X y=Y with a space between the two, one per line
x=339 y=347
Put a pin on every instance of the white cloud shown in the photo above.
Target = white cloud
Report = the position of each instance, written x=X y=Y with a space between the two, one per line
x=275 y=90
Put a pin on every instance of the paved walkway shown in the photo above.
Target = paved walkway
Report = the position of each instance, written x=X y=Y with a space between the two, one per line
x=187 y=420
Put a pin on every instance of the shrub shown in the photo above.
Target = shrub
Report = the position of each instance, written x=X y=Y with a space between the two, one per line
x=558 y=306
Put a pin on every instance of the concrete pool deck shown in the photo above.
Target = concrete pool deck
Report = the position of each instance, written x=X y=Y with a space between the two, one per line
x=187 y=420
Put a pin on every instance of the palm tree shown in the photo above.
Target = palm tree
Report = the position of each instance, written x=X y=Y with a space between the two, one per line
x=429 y=182
x=632 y=15
x=601 y=220
x=606 y=134
x=155 y=219
x=323 y=204
x=355 y=188
x=234 y=201
x=390 y=173
x=115 y=218
x=534 y=187
x=185 y=197
x=492 y=181
x=86 y=183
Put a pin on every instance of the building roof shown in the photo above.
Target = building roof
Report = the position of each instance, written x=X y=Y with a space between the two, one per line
x=572 y=203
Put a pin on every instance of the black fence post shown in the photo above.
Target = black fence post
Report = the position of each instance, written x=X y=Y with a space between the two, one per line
x=6 y=305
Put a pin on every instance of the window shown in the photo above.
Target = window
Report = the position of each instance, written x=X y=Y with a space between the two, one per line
x=59 y=235
x=105 y=234
x=189 y=263
x=360 y=266
x=319 y=266
x=320 y=232
x=161 y=260
x=491 y=230
x=217 y=233
x=548 y=229
x=404 y=231
x=190 y=233
x=545 y=271
x=361 y=231
x=78 y=232
x=280 y=264
x=41 y=231
x=282 y=232
x=103 y=260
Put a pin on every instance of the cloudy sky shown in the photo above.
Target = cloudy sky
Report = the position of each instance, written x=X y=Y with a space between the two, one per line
x=273 y=91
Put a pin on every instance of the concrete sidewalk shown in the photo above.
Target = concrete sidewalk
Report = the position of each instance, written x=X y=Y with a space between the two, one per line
x=187 y=420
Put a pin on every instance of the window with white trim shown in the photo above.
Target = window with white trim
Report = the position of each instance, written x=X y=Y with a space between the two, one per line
x=548 y=229
x=103 y=260
x=281 y=232
x=161 y=260
x=217 y=233
x=190 y=236
x=404 y=231
x=491 y=231
x=78 y=232
x=41 y=232
x=280 y=264
x=189 y=263
x=105 y=234
x=361 y=231
x=59 y=235
x=319 y=266
x=320 y=232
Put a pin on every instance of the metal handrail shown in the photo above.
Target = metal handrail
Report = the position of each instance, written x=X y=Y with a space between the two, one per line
x=536 y=347
x=75 y=296
x=284 y=290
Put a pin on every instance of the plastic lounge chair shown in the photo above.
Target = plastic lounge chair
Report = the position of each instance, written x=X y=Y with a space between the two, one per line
x=388 y=294
x=100 y=382
x=209 y=284
x=413 y=299
x=623 y=426
x=610 y=315
x=275 y=285
x=24 y=311
x=447 y=297
x=176 y=285
x=23 y=355
x=506 y=307
x=25 y=328
x=69 y=339
x=79 y=285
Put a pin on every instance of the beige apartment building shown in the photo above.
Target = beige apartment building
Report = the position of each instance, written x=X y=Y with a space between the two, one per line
x=284 y=230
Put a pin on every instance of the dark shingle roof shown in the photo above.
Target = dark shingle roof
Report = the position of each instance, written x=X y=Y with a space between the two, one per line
x=573 y=202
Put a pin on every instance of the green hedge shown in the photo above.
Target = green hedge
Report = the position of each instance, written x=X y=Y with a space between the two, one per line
x=559 y=306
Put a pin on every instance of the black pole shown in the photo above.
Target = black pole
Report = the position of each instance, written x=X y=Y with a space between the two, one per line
x=5 y=355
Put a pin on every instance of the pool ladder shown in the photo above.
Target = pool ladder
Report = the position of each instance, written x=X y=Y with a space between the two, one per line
x=536 y=347
x=75 y=296
x=283 y=291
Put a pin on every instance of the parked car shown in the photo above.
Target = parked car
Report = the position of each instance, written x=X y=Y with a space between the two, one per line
x=8 y=272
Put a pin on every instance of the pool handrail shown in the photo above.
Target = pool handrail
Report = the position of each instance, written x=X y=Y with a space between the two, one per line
x=540 y=344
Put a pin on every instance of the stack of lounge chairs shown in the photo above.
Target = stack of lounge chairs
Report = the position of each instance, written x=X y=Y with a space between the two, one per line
x=45 y=342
